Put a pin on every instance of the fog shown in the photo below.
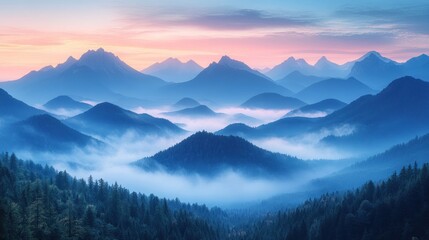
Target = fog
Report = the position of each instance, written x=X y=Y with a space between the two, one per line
x=62 y=113
x=113 y=164
x=225 y=116
x=315 y=114
x=308 y=146
x=230 y=188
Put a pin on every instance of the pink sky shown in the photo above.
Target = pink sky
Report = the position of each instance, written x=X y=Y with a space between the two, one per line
x=34 y=36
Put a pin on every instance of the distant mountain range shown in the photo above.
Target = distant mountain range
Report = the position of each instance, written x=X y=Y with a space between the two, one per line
x=319 y=109
x=322 y=68
x=372 y=69
x=209 y=155
x=106 y=119
x=272 y=101
x=378 y=72
x=97 y=75
x=173 y=70
x=374 y=123
x=66 y=103
x=228 y=81
x=345 y=90
x=101 y=76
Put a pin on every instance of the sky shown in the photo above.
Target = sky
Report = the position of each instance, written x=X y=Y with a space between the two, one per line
x=34 y=34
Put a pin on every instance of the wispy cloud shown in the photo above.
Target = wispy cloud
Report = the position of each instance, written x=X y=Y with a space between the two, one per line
x=247 y=19
x=413 y=19
x=218 y=19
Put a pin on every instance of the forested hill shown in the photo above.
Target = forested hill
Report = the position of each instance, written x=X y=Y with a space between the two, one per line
x=397 y=208
x=39 y=202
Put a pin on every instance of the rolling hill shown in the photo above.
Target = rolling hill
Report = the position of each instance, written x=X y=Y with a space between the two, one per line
x=12 y=109
x=345 y=90
x=272 y=101
x=106 y=119
x=66 y=103
x=43 y=133
x=373 y=122
x=319 y=109
x=209 y=155
x=198 y=111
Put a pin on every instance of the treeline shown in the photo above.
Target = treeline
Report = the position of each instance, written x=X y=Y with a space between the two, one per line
x=397 y=208
x=38 y=202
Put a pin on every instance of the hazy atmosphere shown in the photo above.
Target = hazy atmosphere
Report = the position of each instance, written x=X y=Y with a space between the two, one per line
x=214 y=120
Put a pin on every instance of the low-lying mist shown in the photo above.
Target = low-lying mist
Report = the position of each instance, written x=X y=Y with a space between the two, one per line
x=309 y=146
x=112 y=162
x=227 y=189
x=224 y=117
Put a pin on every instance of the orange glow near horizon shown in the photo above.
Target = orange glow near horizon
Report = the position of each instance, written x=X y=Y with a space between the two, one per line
x=32 y=37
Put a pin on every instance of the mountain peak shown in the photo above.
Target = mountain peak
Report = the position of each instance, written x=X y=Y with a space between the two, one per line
x=103 y=61
x=374 y=55
x=106 y=107
x=405 y=84
x=290 y=59
x=208 y=154
x=322 y=61
x=192 y=62
x=70 y=61
x=229 y=62
x=225 y=60
x=99 y=52
x=171 y=60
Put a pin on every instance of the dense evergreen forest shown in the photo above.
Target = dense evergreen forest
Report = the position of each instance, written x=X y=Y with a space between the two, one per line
x=38 y=202
x=397 y=208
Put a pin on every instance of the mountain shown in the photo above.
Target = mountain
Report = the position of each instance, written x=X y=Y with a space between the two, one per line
x=66 y=103
x=345 y=90
x=398 y=113
x=296 y=81
x=272 y=101
x=375 y=71
x=43 y=133
x=209 y=155
x=106 y=119
x=97 y=75
x=225 y=82
x=323 y=68
x=418 y=67
x=186 y=103
x=198 y=111
x=12 y=109
x=372 y=123
x=326 y=68
x=232 y=63
x=319 y=109
x=173 y=70
x=289 y=66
